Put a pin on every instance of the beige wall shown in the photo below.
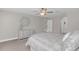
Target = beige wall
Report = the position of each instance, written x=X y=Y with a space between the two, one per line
x=73 y=19
x=10 y=24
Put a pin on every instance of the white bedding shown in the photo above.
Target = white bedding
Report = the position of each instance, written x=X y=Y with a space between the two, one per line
x=54 y=42
x=72 y=42
x=46 y=42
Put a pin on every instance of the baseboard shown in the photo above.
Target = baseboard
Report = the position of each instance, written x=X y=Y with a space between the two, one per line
x=9 y=39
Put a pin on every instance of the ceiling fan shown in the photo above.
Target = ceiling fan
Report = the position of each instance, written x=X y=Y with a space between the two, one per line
x=44 y=11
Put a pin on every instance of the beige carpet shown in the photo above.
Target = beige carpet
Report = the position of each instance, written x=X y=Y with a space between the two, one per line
x=14 y=45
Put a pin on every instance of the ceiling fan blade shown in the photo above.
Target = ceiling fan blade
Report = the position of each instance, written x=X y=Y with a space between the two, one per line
x=50 y=12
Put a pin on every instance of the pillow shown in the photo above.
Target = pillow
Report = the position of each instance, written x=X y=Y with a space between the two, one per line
x=72 y=42
x=66 y=36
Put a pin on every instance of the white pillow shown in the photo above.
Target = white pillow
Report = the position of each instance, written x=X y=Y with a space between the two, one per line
x=66 y=36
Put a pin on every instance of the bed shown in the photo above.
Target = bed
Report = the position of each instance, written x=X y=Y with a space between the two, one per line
x=54 y=42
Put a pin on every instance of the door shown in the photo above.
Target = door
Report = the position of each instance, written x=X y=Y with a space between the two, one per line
x=49 y=25
x=64 y=25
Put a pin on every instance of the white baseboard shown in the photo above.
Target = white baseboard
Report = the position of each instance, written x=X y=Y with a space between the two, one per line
x=9 y=39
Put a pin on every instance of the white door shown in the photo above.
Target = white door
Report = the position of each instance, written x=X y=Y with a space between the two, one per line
x=49 y=25
x=64 y=25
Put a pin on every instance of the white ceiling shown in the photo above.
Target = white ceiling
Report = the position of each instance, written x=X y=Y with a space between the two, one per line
x=19 y=10
x=36 y=11
x=32 y=11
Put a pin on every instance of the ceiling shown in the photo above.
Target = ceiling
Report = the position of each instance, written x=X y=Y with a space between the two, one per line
x=32 y=11
x=36 y=11
x=19 y=10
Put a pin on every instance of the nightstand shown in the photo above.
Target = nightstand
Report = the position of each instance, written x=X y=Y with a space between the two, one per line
x=25 y=33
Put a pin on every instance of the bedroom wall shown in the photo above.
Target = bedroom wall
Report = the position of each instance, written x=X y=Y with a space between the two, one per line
x=57 y=23
x=73 y=19
x=10 y=24
x=36 y=23
x=56 y=19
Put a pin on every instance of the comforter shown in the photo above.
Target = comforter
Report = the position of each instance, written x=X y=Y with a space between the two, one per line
x=54 y=42
x=46 y=42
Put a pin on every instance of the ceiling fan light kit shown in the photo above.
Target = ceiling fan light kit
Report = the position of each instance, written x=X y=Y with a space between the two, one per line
x=43 y=11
